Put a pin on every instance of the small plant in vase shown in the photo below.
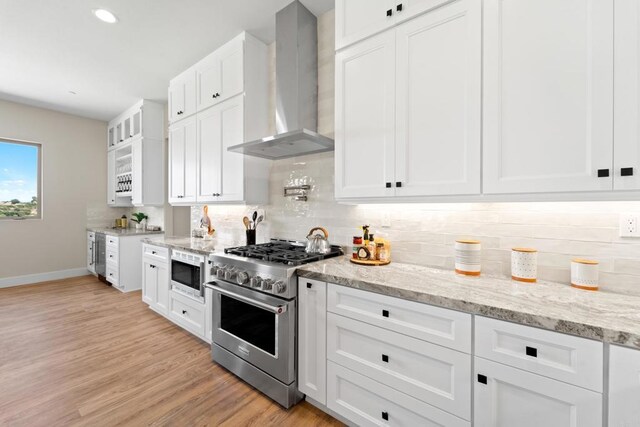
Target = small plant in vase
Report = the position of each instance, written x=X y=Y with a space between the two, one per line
x=138 y=218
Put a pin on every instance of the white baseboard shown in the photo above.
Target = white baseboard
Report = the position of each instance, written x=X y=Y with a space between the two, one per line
x=42 y=277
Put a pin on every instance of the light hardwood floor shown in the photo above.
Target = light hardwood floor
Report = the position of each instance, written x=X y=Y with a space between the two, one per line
x=77 y=352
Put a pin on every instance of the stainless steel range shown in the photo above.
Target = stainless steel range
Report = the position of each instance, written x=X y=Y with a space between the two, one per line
x=254 y=314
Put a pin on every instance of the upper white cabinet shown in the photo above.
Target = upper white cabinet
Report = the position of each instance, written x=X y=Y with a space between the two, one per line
x=408 y=108
x=624 y=386
x=548 y=92
x=135 y=172
x=626 y=161
x=219 y=76
x=232 y=108
x=182 y=96
x=359 y=19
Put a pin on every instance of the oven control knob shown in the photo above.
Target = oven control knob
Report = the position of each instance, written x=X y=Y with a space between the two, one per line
x=220 y=272
x=229 y=275
x=255 y=282
x=267 y=284
x=279 y=287
x=242 y=278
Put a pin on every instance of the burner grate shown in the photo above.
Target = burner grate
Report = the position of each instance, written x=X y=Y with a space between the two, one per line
x=281 y=252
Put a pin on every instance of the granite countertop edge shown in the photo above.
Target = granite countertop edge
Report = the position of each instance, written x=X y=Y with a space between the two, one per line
x=536 y=316
x=190 y=244
x=123 y=232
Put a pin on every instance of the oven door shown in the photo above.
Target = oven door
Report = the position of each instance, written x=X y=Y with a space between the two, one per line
x=256 y=327
x=188 y=275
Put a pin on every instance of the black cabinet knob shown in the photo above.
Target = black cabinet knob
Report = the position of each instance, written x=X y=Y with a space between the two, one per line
x=309 y=285
x=385 y=313
x=482 y=379
x=398 y=184
x=388 y=185
x=385 y=416
x=389 y=12
x=385 y=358
x=603 y=173
x=184 y=311
x=626 y=172
x=399 y=7
x=153 y=252
x=531 y=351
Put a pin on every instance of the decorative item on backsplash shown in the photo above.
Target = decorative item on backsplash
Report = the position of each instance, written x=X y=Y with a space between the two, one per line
x=205 y=223
x=524 y=264
x=139 y=218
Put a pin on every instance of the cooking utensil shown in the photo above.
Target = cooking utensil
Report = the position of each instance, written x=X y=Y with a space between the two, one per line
x=254 y=217
x=246 y=222
x=259 y=220
x=316 y=243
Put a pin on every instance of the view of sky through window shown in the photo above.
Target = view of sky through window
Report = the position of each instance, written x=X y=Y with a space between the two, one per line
x=18 y=179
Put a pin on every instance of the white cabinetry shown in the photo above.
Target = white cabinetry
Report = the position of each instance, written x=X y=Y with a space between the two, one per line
x=408 y=108
x=155 y=277
x=124 y=259
x=91 y=252
x=188 y=313
x=312 y=341
x=111 y=178
x=624 y=387
x=182 y=96
x=548 y=92
x=232 y=107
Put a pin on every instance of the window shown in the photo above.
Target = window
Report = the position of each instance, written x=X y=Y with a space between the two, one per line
x=20 y=192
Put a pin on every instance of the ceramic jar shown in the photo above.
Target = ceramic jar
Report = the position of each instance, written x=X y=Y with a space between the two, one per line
x=524 y=264
x=584 y=274
x=468 y=257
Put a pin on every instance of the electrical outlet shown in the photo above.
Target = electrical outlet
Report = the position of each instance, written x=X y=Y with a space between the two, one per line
x=629 y=225
x=386 y=219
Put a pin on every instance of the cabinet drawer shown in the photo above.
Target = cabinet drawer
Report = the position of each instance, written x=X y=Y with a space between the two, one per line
x=112 y=242
x=434 y=374
x=437 y=325
x=563 y=357
x=112 y=255
x=366 y=402
x=111 y=274
x=156 y=253
x=187 y=313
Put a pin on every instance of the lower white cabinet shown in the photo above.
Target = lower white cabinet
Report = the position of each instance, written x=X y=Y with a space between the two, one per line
x=506 y=396
x=91 y=252
x=312 y=341
x=624 y=387
x=366 y=402
x=155 y=281
x=123 y=261
x=188 y=313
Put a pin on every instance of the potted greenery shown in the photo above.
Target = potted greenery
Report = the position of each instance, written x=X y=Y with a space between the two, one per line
x=138 y=218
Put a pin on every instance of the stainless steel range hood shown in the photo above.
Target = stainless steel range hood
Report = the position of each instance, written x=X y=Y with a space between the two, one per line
x=296 y=90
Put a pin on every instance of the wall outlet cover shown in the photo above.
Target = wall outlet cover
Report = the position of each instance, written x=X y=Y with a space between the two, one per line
x=629 y=225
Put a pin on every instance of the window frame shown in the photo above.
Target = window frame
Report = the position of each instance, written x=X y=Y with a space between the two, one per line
x=39 y=180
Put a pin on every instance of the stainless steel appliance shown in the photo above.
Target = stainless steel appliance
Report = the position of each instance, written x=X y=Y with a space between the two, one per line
x=254 y=314
x=100 y=251
x=188 y=274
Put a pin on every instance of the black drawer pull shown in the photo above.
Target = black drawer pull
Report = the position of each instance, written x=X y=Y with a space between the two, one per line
x=385 y=313
x=309 y=285
x=603 y=173
x=482 y=379
x=399 y=7
x=385 y=358
x=389 y=12
x=184 y=311
x=385 y=416
x=531 y=351
x=398 y=184
x=388 y=185
x=626 y=172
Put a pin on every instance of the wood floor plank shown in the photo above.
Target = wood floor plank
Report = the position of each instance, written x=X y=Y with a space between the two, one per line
x=77 y=352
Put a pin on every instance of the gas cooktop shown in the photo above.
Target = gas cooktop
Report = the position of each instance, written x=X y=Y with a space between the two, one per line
x=281 y=252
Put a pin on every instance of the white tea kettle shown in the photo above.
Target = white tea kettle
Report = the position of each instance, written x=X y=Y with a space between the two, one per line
x=316 y=243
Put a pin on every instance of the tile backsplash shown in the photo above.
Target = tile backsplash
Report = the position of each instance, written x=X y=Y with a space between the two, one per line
x=424 y=233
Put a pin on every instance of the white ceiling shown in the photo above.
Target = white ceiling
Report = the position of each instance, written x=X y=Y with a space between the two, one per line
x=49 y=47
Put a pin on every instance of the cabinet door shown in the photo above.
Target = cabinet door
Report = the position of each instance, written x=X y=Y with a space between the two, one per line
x=626 y=162
x=111 y=178
x=505 y=396
x=232 y=133
x=176 y=101
x=358 y=19
x=548 y=91
x=624 y=387
x=182 y=161
x=365 y=118
x=111 y=137
x=404 y=10
x=149 y=283
x=210 y=155
x=438 y=102
x=182 y=96
x=312 y=340
x=162 y=288
x=220 y=75
x=190 y=162
x=136 y=172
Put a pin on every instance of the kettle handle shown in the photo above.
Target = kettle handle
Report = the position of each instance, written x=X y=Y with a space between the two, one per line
x=324 y=230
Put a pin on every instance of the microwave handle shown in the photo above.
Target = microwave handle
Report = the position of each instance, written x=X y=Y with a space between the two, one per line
x=278 y=309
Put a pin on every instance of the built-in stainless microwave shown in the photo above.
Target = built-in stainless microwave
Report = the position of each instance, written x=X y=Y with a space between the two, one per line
x=188 y=273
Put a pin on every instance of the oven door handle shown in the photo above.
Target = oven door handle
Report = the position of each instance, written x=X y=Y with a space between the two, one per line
x=277 y=309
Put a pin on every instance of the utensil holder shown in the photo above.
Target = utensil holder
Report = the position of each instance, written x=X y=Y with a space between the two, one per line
x=251 y=237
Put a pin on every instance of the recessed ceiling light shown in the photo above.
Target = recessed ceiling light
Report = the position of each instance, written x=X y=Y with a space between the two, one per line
x=105 y=15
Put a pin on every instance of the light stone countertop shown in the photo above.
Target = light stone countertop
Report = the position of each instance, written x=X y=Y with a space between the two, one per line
x=122 y=232
x=191 y=244
x=607 y=317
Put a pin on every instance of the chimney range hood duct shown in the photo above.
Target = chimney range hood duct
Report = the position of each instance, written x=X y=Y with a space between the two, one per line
x=296 y=90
